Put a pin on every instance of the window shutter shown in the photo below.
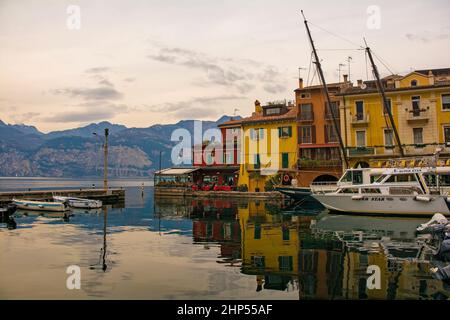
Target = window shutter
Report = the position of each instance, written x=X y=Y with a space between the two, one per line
x=325 y=127
x=290 y=131
x=279 y=132
x=313 y=134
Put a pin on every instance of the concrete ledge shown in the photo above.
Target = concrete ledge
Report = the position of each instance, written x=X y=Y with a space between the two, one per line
x=175 y=192
x=101 y=194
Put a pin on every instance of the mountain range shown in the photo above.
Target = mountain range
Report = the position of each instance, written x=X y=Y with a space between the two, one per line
x=133 y=152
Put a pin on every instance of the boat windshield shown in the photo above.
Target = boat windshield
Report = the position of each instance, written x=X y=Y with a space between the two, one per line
x=381 y=178
x=399 y=178
x=353 y=177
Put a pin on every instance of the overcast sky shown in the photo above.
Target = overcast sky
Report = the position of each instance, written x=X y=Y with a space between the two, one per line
x=140 y=63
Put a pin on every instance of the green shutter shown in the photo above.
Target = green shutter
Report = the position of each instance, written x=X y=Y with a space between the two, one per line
x=290 y=131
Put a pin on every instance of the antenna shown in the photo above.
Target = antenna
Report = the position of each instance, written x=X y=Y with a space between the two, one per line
x=300 y=72
x=349 y=60
x=339 y=71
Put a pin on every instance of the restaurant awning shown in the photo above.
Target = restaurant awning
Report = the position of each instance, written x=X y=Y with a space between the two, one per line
x=175 y=171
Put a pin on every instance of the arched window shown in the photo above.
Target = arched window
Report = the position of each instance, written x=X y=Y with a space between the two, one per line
x=413 y=83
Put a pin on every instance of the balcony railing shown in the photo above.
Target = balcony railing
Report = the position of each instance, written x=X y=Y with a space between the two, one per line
x=312 y=163
x=360 y=119
x=360 y=151
x=414 y=115
x=306 y=116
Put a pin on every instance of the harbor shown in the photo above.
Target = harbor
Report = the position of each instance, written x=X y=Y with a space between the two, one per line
x=204 y=245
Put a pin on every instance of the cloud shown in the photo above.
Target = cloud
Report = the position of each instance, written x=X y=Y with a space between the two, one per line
x=92 y=113
x=97 y=70
x=24 y=117
x=196 y=108
x=242 y=75
x=427 y=36
x=129 y=79
x=274 y=88
x=99 y=93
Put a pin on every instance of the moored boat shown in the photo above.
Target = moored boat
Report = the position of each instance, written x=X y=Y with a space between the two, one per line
x=79 y=202
x=40 y=205
x=398 y=191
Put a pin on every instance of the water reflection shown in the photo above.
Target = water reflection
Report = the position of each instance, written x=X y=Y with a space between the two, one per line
x=219 y=248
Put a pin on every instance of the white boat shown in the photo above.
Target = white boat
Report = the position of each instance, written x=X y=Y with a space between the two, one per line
x=397 y=191
x=79 y=202
x=40 y=205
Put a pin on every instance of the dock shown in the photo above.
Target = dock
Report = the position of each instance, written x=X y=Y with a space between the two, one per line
x=179 y=192
x=106 y=195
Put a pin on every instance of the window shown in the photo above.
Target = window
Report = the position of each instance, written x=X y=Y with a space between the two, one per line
x=257 y=162
x=285 y=132
x=446 y=101
x=272 y=111
x=402 y=178
x=307 y=153
x=447 y=135
x=388 y=138
x=334 y=111
x=306 y=134
x=285 y=232
x=257 y=234
x=418 y=135
x=359 y=110
x=256 y=134
x=360 y=138
x=306 y=112
x=330 y=134
x=413 y=83
x=415 y=100
x=285 y=160
x=305 y=96
x=285 y=263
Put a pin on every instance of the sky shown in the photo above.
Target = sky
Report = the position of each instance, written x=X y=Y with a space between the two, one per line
x=144 y=62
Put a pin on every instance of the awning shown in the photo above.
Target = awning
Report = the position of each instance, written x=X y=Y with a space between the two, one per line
x=176 y=171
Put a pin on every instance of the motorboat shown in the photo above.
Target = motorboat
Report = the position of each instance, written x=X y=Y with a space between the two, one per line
x=79 y=202
x=40 y=205
x=350 y=177
x=397 y=191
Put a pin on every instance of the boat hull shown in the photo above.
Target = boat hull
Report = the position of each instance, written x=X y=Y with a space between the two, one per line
x=296 y=193
x=79 y=202
x=40 y=206
x=383 y=205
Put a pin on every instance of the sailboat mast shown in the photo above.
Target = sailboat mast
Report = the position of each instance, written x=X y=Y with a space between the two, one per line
x=327 y=94
x=385 y=101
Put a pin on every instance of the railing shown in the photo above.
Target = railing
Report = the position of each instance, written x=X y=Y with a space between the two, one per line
x=313 y=163
x=306 y=116
x=417 y=114
x=360 y=119
x=359 y=151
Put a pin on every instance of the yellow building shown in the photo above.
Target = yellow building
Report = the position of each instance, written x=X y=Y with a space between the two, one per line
x=419 y=102
x=268 y=144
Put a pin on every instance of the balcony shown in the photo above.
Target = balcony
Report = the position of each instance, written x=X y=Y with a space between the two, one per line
x=306 y=116
x=360 y=151
x=417 y=115
x=312 y=163
x=360 y=120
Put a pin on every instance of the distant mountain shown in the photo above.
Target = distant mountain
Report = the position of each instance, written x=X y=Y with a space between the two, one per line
x=25 y=151
x=88 y=130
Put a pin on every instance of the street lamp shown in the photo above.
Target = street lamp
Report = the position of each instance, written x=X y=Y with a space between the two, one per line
x=105 y=159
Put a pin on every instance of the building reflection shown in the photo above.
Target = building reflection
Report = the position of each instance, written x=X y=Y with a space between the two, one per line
x=315 y=255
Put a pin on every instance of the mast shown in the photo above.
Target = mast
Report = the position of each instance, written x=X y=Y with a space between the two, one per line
x=327 y=94
x=385 y=101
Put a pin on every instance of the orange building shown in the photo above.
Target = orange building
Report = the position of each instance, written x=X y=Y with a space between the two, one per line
x=318 y=148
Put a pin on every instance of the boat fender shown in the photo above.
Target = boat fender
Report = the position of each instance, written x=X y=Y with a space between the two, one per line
x=422 y=198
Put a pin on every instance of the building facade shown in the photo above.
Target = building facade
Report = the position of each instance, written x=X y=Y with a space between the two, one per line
x=419 y=103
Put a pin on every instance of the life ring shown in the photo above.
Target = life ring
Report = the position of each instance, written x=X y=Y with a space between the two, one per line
x=286 y=178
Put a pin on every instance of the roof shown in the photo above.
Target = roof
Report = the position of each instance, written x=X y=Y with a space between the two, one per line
x=176 y=171
x=259 y=117
x=319 y=86
x=357 y=90
x=436 y=72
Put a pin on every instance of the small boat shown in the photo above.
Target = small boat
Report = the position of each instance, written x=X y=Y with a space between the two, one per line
x=40 y=205
x=79 y=202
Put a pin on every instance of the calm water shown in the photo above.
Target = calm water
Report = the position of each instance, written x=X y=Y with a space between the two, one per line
x=209 y=249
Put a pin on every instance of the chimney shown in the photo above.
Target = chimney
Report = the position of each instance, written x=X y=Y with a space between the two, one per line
x=300 y=83
x=345 y=77
x=360 y=82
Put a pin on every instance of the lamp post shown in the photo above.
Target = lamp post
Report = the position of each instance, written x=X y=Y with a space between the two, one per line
x=105 y=159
